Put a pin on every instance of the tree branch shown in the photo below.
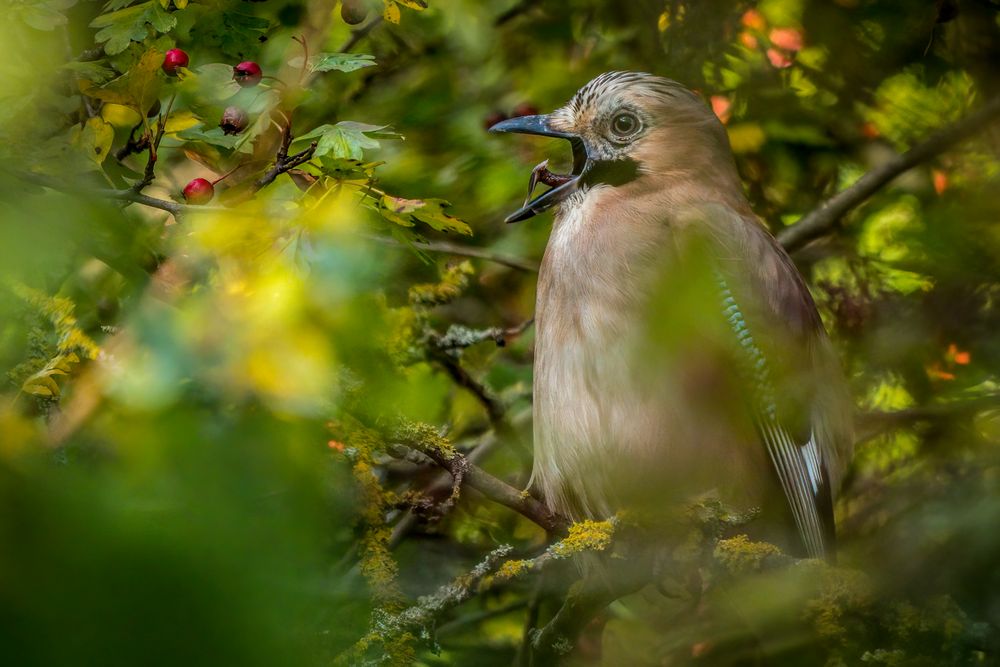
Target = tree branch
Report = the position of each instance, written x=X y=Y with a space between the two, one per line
x=171 y=207
x=458 y=466
x=873 y=424
x=825 y=216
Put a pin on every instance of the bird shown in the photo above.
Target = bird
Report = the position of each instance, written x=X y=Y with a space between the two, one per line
x=679 y=354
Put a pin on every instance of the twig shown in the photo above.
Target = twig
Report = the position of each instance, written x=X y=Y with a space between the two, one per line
x=459 y=337
x=171 y=207
x=875 y=423
x=514 y=12
x=282 y=160
x=386 y=628
x=826 y=215
x=493 y=488
x=360 y=33
x=462 y=251
x=133 y=145
x=153 y=144
x=495 y=408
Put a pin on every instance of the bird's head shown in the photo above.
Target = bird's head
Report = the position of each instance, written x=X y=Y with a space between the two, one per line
x=624 y=126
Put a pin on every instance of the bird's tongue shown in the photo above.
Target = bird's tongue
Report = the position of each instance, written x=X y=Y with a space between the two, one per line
x=541 y=174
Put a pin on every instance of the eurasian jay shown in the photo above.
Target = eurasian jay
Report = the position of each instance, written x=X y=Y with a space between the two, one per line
x=678 y=352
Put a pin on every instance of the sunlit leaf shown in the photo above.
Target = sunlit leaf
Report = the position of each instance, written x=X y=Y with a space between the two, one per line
x=94 y=139
x=342 y=62
x=431 y=212
x=391 y=13
x=137 y=89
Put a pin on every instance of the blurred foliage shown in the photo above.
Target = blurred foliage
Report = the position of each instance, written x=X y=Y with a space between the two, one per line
x=201 y=411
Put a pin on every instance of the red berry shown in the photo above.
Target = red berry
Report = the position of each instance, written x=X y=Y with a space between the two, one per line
x=492 y=118
x=173 y=59
x=524 y=109
x=248 y=74
x=199 y=191
x=234 y=120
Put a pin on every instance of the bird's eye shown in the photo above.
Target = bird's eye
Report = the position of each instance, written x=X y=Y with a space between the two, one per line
x=624 y=125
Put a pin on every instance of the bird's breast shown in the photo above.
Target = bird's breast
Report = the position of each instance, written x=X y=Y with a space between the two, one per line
x=592 y=292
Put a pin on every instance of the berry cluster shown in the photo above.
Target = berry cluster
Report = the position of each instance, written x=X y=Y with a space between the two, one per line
x=234 y=119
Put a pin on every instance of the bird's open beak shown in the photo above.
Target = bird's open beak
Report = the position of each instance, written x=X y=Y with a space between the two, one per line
x=561 y=186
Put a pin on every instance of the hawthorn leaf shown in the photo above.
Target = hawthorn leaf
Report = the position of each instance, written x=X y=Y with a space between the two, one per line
x=342 y=62
x=214 y=137
x=137 y=89
x=346 y=139
x=94 y=139
x=93 y=70
x=119 y=28
x=431 y=212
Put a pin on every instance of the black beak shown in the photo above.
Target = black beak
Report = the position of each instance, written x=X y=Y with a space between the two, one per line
x=541 y=125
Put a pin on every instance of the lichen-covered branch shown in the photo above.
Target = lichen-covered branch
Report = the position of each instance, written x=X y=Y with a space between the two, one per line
x=386 y=628
x=493 y=488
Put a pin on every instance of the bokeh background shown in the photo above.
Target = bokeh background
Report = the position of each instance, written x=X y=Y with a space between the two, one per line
x=193 y=462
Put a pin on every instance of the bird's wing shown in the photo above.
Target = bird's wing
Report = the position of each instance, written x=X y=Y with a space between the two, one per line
x=799 y=462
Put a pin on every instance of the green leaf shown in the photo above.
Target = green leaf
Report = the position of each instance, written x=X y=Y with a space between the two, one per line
x=431 y=212
x=138 y=88
x=349 y=170
x=93 y=71
x=214 y=136
x=118 y=29
x=342 y=62
x=236 y=34
x=346 y=139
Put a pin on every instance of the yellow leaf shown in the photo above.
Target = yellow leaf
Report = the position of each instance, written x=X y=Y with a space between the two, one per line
x=180 y=121
x=37 y=390
x=120 y=115
x=165 y=4
x=746 y=137
x=40 y=384
x=391 y=13
x=94 y=138
x=180 y=4
x=137 y=89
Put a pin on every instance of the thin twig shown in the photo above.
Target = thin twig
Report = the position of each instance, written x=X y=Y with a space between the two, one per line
x=460 y=337
x=360 y=33
x=462 y=251
x=827 y=214
x=154 y=146
x=514 y=12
